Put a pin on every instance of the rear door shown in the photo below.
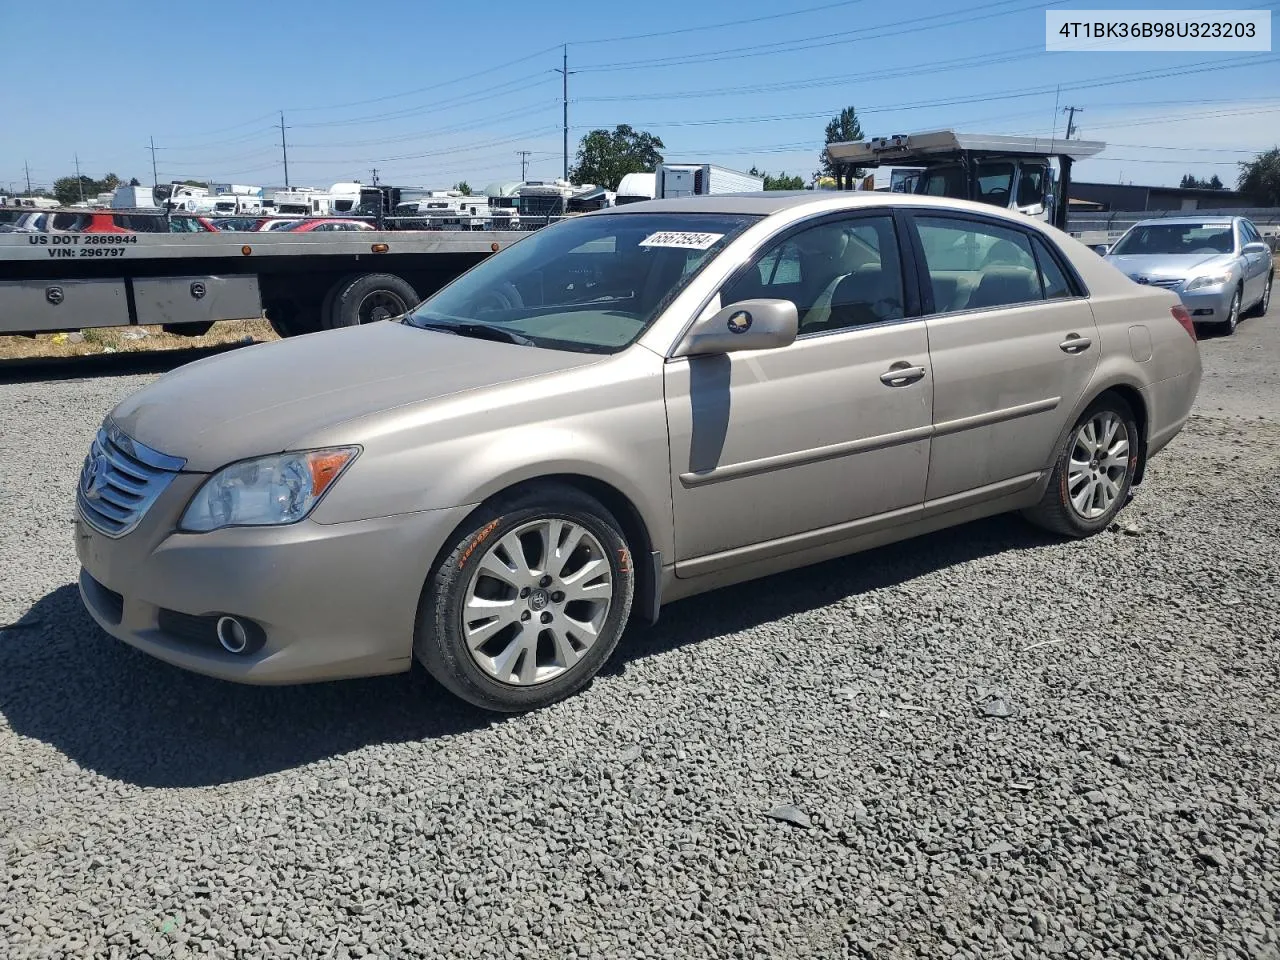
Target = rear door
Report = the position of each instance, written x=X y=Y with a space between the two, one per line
x=1013 y=346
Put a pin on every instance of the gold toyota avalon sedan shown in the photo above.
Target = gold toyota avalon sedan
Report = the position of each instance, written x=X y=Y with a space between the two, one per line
x=621 y=410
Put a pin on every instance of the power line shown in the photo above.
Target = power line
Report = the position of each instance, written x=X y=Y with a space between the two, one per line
x=428 y=89
x=909 y=25
x=718 y=26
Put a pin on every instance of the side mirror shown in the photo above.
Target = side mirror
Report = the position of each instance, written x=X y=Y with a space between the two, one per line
x=1101 y=249
x=745 y=325
x=1257 y=246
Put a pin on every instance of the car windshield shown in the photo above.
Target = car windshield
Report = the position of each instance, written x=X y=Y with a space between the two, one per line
x=591 y=284
x=1172 y=239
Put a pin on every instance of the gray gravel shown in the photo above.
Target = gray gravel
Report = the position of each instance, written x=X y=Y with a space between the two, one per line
x=985 y=743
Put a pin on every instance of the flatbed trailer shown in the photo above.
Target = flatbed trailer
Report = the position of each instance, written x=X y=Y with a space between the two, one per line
x=301 y=282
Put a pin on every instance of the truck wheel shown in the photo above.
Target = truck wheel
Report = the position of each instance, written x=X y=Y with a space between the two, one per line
x=326 y=305
x=372 y=297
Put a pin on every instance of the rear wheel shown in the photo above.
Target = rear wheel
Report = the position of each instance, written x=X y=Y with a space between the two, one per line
x=370 y=298
x=1093 y=473
x=529 y=602
x=1264 y=304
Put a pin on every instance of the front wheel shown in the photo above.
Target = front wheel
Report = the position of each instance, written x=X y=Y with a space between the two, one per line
x=529 y=602
x=1093 y=473
x=1233 y=314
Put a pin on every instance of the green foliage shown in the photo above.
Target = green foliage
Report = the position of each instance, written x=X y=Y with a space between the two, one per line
x=1195 y=183
x=69 y=190
x=841 y=128
x=605 y=157
x=1260 y=179
x=780 y=182
x=463 y=188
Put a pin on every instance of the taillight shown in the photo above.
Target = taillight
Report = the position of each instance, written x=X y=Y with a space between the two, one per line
x=1180 y=314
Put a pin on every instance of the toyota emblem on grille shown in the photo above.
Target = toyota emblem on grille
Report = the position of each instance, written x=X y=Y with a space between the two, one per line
x=1140 y=279
x=95 y=475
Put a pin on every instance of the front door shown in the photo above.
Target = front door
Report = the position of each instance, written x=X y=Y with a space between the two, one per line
x=772 y=449
x=1013 y=346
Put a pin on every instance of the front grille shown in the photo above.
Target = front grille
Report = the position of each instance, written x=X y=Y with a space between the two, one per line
x=1168 y=283
x=120 y=480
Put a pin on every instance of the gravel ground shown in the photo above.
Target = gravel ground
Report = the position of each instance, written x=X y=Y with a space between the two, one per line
x=984 y=743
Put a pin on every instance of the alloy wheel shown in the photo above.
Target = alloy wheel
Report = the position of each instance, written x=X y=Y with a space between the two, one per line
x=1098 y=465
x=537 y=602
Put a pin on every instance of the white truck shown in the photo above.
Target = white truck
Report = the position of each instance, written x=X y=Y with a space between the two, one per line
x=635 y=187
x=701 y=179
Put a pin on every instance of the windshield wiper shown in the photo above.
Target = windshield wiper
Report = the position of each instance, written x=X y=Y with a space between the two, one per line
x=481 y=331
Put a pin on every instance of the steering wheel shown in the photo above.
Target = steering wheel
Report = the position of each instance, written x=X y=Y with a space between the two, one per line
x=998 y=195
x=504 y=296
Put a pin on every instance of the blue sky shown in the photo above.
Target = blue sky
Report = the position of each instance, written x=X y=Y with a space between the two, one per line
x=432 y=93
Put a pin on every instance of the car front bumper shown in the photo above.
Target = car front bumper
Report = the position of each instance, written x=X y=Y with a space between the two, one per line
x=333 y=600
x=1208 y=304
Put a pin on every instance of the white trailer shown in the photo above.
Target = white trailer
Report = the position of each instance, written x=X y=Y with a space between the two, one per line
x=635 y=187
x=701 y=179
x=133 y=198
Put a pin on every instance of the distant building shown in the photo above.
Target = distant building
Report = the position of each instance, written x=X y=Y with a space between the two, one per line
x=1127 y=196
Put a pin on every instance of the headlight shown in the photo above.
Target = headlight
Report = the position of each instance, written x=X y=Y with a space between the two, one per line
x=268 y=491
x=1209 y=280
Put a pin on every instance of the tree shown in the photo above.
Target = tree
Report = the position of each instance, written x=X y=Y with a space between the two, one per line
x=1195 y=183
x=463 y=188
x=135 y=182
x=604 y=158
x=780 y=182
x=1259 y=178
x=841 y=129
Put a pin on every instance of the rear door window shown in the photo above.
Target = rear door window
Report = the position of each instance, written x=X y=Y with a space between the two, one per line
x=975 y=265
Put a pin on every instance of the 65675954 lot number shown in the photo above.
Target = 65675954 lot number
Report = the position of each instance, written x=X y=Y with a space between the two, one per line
x=85 y=245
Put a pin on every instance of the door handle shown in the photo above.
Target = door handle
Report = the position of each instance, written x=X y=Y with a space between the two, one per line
x=1075 y=344
x=901 y=374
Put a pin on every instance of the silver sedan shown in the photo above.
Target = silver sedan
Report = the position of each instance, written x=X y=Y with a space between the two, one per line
x=1220 y=266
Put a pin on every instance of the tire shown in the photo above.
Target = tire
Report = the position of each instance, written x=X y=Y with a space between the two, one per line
x=1057 y=511
x=1233 y=315
x=368 y=298
x=1260 y=308
x=518 y=664
x=326 y=305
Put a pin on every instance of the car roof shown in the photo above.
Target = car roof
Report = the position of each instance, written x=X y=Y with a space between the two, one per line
x=771 y=202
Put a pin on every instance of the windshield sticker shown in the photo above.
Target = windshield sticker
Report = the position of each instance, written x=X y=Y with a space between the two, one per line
x=681 y=239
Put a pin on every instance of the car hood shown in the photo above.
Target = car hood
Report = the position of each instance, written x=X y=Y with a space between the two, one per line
x=261 y=399
x=1169 y=266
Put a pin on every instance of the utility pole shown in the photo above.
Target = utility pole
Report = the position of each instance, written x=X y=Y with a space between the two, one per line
x=524 y=164
x=374 y=171
x=155 y=179
x=564 y=72
x=1071 y=119
x=284 y=149
x=79 y=182
x=26 y=168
